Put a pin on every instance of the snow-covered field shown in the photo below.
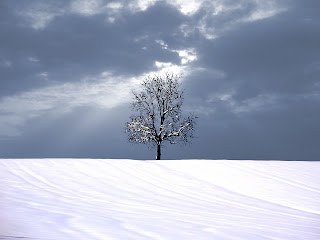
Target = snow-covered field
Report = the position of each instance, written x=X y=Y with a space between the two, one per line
x=66 y=199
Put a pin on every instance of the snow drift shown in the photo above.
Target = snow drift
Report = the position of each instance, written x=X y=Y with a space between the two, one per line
x=66 y=199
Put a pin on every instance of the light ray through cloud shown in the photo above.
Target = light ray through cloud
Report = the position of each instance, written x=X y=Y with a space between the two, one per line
x=105 y=91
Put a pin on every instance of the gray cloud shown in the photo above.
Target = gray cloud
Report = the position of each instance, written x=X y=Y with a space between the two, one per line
x=251 y=74
x=73 y=46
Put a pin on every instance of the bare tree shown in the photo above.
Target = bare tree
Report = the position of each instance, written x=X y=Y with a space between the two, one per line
x=158 y=117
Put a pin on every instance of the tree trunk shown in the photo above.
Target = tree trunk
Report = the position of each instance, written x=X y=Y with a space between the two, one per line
x=158 y=152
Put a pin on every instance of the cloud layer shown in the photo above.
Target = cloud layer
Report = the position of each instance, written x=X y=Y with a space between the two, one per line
x=250 y=69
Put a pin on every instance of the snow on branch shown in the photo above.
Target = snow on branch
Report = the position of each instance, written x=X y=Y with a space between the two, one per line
x=158 y=115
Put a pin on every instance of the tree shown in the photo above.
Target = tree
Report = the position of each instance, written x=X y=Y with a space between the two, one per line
x=158 y=116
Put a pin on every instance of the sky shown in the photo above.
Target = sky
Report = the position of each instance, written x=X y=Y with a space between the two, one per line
x=251 y=73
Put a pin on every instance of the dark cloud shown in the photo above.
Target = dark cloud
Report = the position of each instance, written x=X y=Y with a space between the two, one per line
x=255 y=87
x=73 y=46
x=277 y=57
x=267 y=56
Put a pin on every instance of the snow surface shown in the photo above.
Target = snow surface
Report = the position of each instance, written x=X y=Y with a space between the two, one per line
x=66 y=199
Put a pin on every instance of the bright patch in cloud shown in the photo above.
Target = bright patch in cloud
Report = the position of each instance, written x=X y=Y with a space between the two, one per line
x=86 y=7
x=115 y=5
x=6 y=63
x=141 y=5
x=186 y=55
x=43 y=75
x=33 y=59
x=264 y=9
x=163 y=64
x=216 y=11
x=40 y=14
x=164 y=67
x=162 y=43
x=257 y=103
x=187 y=7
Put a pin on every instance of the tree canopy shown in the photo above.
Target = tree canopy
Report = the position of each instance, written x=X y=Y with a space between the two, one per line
x=158 y=115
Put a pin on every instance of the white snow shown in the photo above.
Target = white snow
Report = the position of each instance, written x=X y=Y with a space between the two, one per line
x=66 y=199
